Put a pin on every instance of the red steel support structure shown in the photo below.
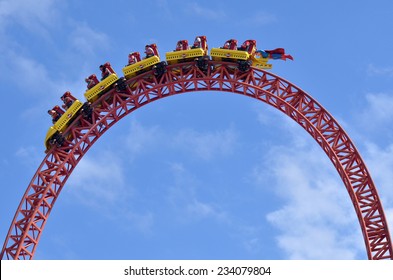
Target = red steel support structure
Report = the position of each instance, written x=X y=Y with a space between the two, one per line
x=58 y=164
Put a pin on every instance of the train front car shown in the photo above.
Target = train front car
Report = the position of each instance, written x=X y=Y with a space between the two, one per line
x=95 y=87
x=184 y=53
x=136 y=65
x=243 y=55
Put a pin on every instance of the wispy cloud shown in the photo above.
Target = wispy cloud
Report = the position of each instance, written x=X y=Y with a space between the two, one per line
x=42 y=19
x=373 y=70
x=316 y=219
x=165 y=9
x=185 y=199
x=260 y=18
x=372 y=123
x=15 y=61
x=380 y=107
x=100 y=184
x=190 y=204
x=35 y=16
x=251 y=237
x=202 y=145
x=207 y=145
x=317 y=209
x=141 y=139
x=34 y=73
x=29 y=156
x=204 y=12
x=86 y=40
x=98 y=181
x=317 y=216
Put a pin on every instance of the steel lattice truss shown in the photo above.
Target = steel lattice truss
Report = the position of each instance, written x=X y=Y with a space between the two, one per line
x=58 y=164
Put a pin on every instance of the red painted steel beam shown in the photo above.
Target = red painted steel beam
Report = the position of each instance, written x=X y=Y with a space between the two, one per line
x=45 y=187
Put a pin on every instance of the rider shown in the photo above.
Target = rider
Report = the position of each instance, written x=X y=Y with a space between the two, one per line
x=105 y=72
x=197 y=43
x=149 y=51
x=133 y=58
x=230 y=44
x=67 y=99
x=245 y=46
x=182 y=45
x=91 y=81
x=55 y=115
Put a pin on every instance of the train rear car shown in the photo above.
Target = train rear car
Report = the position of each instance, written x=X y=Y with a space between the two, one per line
x=231 y=52
x=53 y=135
x=219 y=54
x=246 y=55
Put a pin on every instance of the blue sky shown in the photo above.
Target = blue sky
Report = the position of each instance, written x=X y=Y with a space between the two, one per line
x=202 y=175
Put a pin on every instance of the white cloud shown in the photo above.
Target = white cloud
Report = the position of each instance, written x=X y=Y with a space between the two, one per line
x=315 y=242
x=35 y=16
x=316 y=219
x=39 y=18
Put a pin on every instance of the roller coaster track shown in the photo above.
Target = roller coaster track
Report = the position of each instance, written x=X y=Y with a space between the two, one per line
x=51 y=176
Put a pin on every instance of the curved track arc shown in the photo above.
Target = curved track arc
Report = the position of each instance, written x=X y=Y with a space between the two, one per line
x=51 y=176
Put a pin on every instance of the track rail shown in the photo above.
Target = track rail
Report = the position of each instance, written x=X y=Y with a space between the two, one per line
x=51 y=176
